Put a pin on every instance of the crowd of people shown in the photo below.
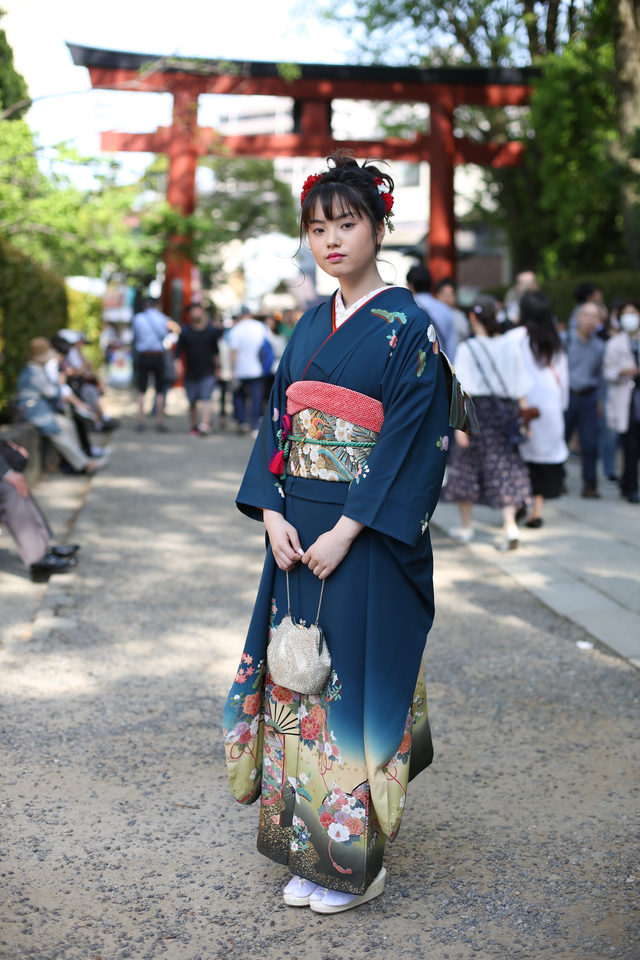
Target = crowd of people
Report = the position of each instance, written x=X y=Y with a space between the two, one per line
x=59 y=394
x=543 y=390
x=240 y=358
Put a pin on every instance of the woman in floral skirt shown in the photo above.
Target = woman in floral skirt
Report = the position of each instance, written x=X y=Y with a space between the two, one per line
x=345 y=474
x=488 y=468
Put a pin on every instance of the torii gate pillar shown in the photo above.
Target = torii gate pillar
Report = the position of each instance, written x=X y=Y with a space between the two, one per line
x=182 y=151
x=441 y=258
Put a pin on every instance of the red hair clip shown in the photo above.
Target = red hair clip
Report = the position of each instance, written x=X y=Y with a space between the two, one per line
x=308 y=184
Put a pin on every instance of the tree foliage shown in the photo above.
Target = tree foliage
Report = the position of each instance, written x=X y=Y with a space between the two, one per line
x=33 y=303
x=434 y=32
x=13 y=87
x=578 y=207
x=126 y=227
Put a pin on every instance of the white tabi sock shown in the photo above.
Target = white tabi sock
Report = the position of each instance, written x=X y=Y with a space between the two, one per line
x=334 y=898
x=300 y=887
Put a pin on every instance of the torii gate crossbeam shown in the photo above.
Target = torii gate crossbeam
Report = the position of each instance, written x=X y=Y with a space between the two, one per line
x=443 y=88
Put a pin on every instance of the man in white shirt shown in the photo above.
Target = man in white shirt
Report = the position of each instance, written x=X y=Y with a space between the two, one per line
x=149 y=330
x=246 y=339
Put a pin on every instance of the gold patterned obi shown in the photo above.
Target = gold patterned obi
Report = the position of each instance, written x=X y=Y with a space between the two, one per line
x=332 y=431
x=325 y=447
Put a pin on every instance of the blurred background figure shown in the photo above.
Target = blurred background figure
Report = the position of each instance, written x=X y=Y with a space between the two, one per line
x=278 y=343
x=487 y=468
x=419 y=282
x=37 y=399
x=621 y=363
x=25 y=521
x=545 y=363
x=69 y=403
x=149 y=328
x=246 y=339
x=82 y=379
x=585 y=355
x=588 y=292
x=198 y=344
x=446 y=293
x=225 y=369
x=524 y=281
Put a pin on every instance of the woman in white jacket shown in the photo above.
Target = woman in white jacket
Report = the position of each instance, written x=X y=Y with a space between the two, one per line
x=545 y=451
x=623 y=396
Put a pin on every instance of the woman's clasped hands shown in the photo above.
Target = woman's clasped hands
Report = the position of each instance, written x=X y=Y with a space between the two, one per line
x=323 y=556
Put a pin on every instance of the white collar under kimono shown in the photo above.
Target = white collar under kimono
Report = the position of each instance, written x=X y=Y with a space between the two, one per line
x=343 y=313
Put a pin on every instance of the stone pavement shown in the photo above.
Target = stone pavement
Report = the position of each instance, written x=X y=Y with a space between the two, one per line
x=119 y=837
x=584 y=563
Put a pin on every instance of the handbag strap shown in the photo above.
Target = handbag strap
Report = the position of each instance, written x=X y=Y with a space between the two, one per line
x=516 y=406
x=289 y=599
x=495 y=370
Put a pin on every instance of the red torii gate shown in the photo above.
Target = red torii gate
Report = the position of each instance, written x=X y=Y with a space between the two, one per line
x=313 y=89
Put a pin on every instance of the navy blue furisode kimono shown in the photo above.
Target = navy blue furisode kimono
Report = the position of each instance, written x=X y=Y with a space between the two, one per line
x=365 y=435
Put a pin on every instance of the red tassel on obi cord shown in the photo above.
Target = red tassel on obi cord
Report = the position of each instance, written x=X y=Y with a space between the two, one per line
x=276 y=463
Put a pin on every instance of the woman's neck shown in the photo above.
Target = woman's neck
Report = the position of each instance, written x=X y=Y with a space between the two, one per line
x=355 y=287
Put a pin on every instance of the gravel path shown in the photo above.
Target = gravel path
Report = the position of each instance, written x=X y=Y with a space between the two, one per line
x=120 y=838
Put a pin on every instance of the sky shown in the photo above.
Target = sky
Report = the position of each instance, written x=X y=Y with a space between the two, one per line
x=283 y=30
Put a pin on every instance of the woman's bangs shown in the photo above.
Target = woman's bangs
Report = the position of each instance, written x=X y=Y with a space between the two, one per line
x=336 y=200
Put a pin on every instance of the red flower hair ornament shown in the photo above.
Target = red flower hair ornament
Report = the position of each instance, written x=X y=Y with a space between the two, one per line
x=308 y=184
x=381 y=186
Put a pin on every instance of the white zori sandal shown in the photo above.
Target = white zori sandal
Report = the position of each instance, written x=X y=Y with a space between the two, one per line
x=298 y=891
x=335 y=902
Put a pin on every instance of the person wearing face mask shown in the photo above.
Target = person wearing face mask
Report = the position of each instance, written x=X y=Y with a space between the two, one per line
x=621 y=363
x=585 y=353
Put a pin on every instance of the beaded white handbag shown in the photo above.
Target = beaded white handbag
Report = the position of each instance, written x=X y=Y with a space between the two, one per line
x=298 y=656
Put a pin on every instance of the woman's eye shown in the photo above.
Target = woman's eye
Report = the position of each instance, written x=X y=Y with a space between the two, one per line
x=347 y=225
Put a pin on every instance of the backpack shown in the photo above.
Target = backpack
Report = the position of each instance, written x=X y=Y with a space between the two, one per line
x=267 y=356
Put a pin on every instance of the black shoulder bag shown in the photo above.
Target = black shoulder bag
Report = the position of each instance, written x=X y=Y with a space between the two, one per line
x=516 y=429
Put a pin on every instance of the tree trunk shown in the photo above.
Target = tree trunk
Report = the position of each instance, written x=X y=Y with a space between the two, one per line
x=626 y=24
x=551 y=32
x=531 y=23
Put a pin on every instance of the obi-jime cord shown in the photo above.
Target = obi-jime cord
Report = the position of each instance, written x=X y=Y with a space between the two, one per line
x=356 y=428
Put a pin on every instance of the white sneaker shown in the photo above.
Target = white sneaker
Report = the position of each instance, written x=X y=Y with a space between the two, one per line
x=464 y=534
x=509 y=539
x=98 y=463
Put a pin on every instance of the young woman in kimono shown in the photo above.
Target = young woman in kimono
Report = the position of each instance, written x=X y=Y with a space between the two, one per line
x=345 y=473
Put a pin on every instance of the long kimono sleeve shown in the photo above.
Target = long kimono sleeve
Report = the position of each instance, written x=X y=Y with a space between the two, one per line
x=261 y=489
x=398 y=490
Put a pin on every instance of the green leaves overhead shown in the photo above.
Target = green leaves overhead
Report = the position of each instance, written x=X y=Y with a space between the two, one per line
x=13 y=87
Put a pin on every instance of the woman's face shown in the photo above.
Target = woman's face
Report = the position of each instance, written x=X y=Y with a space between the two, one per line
x=344 y=246
x=629 y=319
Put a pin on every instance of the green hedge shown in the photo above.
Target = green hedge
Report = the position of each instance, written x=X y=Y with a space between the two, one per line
x=617 y=283
x=85 y=313
x=33 y=303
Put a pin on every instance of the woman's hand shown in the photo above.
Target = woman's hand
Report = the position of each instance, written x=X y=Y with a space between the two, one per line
x=462 y=439
x=331 y=547
x=283 y=538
